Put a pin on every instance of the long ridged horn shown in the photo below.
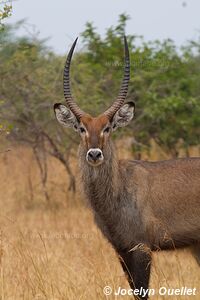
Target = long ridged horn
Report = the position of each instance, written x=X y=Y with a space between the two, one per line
x=66 y=85
x=124 y=86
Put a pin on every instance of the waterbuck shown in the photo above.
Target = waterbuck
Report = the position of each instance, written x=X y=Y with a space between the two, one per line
x=139 y=206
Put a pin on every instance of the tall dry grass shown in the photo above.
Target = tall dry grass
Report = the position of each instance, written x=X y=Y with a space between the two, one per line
x=55 y=251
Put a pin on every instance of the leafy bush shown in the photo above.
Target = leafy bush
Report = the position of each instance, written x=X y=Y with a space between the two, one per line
x=164 y=84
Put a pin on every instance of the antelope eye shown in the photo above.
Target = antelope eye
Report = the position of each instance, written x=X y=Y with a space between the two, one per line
x=82 y=130
x=106 y=130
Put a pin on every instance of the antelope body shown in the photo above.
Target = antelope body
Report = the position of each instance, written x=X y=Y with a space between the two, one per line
x=139 y=206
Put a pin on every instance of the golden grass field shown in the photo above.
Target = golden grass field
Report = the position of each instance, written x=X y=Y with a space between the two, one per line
x=58 y=253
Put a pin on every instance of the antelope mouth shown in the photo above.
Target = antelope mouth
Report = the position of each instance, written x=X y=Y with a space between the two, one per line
x=95 y=164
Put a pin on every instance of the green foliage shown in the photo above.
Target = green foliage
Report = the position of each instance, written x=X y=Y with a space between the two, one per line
x=5 y=12
x=164 y=84
x=30 y=78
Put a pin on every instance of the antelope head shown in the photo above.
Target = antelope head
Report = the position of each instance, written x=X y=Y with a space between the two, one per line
x=95 y=131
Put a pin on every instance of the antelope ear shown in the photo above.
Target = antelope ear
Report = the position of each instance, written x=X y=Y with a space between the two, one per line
x=124 y=115
x=65 y=116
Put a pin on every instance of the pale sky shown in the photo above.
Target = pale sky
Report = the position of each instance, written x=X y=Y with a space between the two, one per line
x=63 y=20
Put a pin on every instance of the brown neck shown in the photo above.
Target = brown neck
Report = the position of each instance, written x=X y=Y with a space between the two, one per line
x=101 y=183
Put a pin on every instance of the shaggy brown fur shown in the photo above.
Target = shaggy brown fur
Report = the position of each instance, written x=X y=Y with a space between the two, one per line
x=139 y=206
x=153 y=204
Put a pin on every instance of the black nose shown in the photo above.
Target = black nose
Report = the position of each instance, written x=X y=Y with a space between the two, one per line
x=94 y=154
